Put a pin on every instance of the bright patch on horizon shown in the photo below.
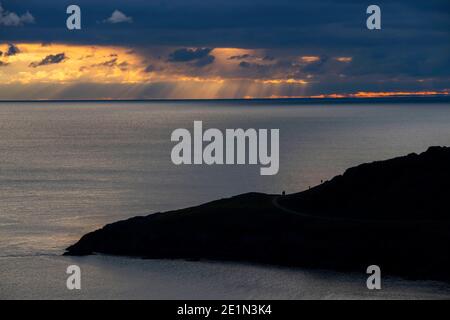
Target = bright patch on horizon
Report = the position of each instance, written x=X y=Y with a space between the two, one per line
x=285 y=81
x=344 y=59
x=309 y=59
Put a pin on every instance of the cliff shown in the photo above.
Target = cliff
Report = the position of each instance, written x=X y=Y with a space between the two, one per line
x=391 y=213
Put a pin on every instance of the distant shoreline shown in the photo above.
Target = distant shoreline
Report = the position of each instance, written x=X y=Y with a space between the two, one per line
x=377 y=100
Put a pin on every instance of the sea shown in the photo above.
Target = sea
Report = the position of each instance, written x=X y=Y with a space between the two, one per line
x=68 y=168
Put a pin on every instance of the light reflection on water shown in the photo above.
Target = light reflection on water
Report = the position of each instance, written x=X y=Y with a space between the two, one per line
x=124 y=278
x=69 y=168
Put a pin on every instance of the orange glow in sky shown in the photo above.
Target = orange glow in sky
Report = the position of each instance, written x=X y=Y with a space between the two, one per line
x=109 y=72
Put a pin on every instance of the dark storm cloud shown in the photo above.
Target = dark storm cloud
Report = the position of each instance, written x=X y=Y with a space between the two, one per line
x=209 y=59
x=50 y=59
x=113 y=63
x=245 y=64
x=153 y=68
x=199 y=57
x=236 y=23
x=414 y=42
x=249 y=56
x=185 y=55
x=150 y=68
x=123 y=65
x=12 y=50
x=109 y=64
x=240 y=57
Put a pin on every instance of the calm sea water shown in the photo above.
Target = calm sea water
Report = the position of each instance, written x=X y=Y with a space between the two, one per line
x=69 y=168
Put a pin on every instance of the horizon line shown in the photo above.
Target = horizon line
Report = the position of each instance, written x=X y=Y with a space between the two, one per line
x=444 y=96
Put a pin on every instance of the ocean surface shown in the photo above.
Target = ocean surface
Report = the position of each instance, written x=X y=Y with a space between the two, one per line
x=67 y=168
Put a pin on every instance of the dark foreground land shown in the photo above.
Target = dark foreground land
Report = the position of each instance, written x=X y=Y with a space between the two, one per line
x=392 y=213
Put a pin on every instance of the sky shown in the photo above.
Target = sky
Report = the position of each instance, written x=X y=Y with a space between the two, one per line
x=223 y=49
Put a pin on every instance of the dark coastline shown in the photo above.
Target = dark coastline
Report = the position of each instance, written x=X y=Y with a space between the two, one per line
x=391 y=213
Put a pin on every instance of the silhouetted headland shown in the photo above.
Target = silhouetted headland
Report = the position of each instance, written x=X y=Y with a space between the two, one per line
x=392 y=213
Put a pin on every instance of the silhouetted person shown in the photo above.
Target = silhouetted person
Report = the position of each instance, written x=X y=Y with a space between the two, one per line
x=283 y=193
